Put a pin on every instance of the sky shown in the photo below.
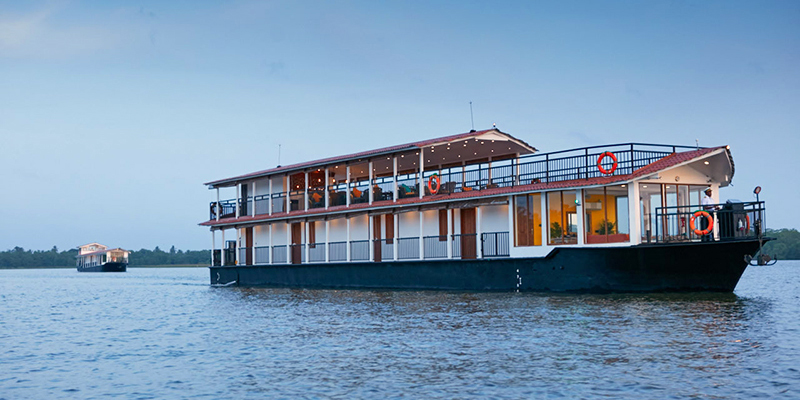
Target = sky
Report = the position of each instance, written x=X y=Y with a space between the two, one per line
x=113 y=114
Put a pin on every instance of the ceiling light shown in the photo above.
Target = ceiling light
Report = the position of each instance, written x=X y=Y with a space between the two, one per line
x=705 y=162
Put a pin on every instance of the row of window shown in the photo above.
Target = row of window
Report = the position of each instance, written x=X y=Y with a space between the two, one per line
x=605 y=217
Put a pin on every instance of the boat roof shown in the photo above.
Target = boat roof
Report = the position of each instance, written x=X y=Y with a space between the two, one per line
x=524 y=148
x=102 y=252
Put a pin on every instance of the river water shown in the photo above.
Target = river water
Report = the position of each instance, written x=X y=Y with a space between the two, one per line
x=165 y=333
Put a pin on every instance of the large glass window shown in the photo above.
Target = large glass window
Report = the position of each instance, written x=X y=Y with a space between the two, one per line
x=562 y=218
x=606 y=215
x=528 y=219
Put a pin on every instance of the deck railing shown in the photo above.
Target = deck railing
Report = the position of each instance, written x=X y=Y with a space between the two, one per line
x=337 y=251
x=731 y=221
x=495 y=244
x=359 y=250
x=574 y=164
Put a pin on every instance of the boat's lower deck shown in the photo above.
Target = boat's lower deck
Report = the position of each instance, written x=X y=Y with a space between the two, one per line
x=708 y=266
x=107 y=267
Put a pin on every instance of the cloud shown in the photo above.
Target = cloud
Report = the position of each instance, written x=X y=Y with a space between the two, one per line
x=40 y=34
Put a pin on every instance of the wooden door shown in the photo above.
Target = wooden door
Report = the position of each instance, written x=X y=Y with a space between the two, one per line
x=469 y=248
x=297 y=235
x=248 y=240
x=376 y=232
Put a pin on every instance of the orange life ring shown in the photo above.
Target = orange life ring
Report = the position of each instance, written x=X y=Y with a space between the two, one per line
x=213 y=210
x=747 y=223
x=697 y=231
x=431 y=179
x=600 y=160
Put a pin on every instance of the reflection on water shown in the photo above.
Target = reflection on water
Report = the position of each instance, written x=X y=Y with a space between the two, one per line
x=166 y=333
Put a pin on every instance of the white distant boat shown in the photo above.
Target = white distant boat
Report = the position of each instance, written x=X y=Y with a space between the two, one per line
x=95 y=257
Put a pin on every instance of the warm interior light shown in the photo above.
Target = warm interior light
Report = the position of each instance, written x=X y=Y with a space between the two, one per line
x=622 y=185
x=644 y=186
x=705 y=162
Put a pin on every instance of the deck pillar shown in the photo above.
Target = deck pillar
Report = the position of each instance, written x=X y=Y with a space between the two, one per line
x=213 y=245
x=288 y=240
x=394 y=174
x=396 y=235
x=371 y=238
x=634 y=214
x=269 y=252
x=327 y=195
x=219 y=208
x=421 y=230
x=327 y=238
x=347 y=194
x=421 y=184
x=370 y=187
x=580 y=216
x=347 y=250
x=288 y=199
x=478 y=233
x=305 y=192
x=238 y=245
x=222 y=252
x=269 y=196
x=238 y=198
x=253 y=206
x=307 y=246
x=449 y=233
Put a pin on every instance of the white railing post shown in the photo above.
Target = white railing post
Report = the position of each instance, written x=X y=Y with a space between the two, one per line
x=269 y=210
x=370 y=187
x=288 y=242
x=371 y=238
x=327 y=196
x=305 y=192
x=478 y=232
x=307 y=244
x=394 y=174
x=449 y=233
x=269 y=252
x=327 y=241
x=347 y=250
x=396 y=235
x=238 y=198
x=347 y=189
x=421 y=230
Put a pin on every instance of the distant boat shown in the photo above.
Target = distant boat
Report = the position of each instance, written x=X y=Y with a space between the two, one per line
x=95 y=257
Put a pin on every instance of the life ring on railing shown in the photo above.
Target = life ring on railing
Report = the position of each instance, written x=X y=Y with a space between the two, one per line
x=746 y=223
x=434 y=178
x=600 y=160
x=213 y=210
x=697 y=231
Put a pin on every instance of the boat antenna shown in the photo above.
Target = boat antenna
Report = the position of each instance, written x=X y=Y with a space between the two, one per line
x=471 y=118
x=279 y=155
x=697 y=143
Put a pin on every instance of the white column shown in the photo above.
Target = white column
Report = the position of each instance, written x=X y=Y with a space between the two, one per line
x=288 y=242
x=394 y=173
x=219 y=208
x=396 y=218
x=255 y=244
x=288 y=188
x=579 y=210
x=421 y=230
x=371 y=238
x=327 y=240
x=634 y=213
x=371 y=176
x=449 y=233
x=307 y=246
x=516 y=169
x=238 y=244
x=213 y=245
x=253 y=210
x=270 y=201
x=479 y=232
x=512 y=231
x=269 y=253
x=238 y=198
x=327 y=195
x=347 y=195
x=489 y=172
x=305 y=195
x=421 y=186
x=543 y=217
x=222 y=259
x=347 y=250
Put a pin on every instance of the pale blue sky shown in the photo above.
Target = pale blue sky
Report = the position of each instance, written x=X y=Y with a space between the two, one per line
x=113 y=114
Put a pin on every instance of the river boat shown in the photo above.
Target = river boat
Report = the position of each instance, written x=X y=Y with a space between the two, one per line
x=95 y=257
x=485 y=211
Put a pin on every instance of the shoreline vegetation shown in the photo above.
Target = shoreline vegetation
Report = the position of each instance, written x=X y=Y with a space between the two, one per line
x=786 y=247
x=53 y=258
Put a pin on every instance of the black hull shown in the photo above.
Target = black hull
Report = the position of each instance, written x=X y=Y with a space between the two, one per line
x=714 y=266
x=107 y=267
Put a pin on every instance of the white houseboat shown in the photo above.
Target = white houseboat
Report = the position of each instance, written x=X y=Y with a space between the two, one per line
x=484 y=211
x=95 y=257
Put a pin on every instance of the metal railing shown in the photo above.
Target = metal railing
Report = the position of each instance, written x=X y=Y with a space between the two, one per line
x=337 y=251
x=226 y=209
x=384 y=248
x=279 y=254
x=262 y=255
x=434 y=247
x=731 y=221
x=262 y=204
x=316 y=252
x=408 y=248
x=359 y=250
x=494 y=244
x=243 y=251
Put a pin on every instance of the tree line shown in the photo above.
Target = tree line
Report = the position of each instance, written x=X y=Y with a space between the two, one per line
x=787 y=247
x=21 y=258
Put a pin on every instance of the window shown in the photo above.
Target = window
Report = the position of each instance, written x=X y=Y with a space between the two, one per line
x=562 y=217
x=606 y=211
x=528 y=220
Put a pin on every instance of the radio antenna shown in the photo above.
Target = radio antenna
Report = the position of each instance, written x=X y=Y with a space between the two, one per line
x=471 y=118
x=279 y=154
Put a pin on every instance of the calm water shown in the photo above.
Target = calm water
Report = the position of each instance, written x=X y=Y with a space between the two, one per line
x=164 y=333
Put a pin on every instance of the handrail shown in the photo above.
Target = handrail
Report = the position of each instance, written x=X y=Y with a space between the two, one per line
x=731 y=221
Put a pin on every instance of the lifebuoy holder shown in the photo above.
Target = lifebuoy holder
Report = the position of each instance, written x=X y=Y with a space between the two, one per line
x=600 y=161
x=696 y=230
x=434 y=178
